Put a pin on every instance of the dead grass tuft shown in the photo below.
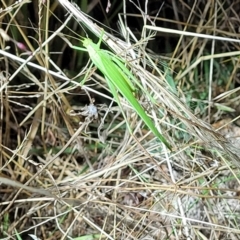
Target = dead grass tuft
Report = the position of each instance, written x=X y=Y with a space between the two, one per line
x=69 y=166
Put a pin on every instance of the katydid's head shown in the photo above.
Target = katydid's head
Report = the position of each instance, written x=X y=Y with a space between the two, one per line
x=86 y=42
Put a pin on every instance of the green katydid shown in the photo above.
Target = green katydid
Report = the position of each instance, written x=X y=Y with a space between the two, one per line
x=118 y=78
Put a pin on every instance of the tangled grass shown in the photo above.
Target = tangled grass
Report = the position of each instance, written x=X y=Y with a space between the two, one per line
x=69 y=166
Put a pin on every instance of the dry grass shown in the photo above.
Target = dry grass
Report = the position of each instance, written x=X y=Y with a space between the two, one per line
x=66 y=173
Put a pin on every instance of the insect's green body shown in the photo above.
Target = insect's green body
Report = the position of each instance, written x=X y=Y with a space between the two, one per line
x=119 y=79
x=106 y=64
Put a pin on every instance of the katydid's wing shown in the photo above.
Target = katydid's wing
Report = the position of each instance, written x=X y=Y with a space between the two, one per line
x=116 y=77
x=131 y=76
